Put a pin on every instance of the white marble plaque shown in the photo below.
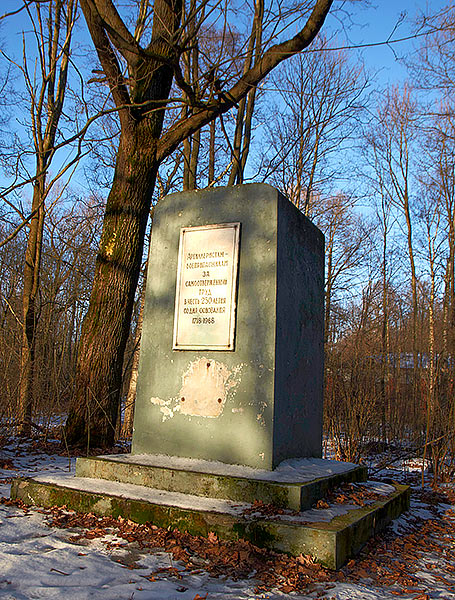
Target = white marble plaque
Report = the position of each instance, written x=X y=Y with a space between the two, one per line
x=204 y=316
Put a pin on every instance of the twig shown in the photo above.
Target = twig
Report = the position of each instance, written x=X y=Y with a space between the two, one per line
x=59 y=572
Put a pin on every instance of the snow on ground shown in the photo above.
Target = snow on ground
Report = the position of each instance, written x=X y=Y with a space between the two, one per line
x=289 y=471
x=42 y=562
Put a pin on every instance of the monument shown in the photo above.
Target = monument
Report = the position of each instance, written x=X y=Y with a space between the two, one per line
x=234 y=319
x=228 y=414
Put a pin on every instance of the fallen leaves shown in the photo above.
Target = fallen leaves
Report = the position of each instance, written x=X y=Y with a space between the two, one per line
x=348 y=493
x=391 y=560
x=236 y=560
x=353 y=493
x=396 y=561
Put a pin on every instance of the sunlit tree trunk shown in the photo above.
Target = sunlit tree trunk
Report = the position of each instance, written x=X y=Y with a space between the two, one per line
x=106 y=326
x=130 y=400
x=29 y=316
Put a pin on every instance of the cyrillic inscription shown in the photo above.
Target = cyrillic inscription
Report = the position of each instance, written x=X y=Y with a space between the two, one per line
x=206 y=286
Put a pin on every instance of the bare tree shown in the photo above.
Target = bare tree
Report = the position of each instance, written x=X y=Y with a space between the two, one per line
x=432 y=66
x=67 y=256
x=437 y=218
x=391 y=144
x=322 y=98
x=141 y=98
x=245 y=110
x=345 y=236
x=442 y=178
x=45 y=82
x=430 y=214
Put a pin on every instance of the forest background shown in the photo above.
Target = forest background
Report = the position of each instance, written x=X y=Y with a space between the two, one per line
x=357 y=130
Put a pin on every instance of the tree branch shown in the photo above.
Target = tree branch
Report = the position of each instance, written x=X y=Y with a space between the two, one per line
x=271 y=58
x=119 y=34
x=108 y=60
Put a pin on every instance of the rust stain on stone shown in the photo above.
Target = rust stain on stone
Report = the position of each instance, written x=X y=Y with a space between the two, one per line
x=204 y=388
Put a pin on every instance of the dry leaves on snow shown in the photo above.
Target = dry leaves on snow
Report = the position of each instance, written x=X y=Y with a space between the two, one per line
x=388 y=560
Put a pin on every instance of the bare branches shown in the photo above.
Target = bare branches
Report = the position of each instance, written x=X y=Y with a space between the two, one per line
x=141 y=20
x=108 y=60
x=119 y=34
x=25 y=6
x=271 y=58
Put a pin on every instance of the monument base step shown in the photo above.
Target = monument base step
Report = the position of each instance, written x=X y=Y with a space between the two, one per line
x=331 y=535
x=296 y=484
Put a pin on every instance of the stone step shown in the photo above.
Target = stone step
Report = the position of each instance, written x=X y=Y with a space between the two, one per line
x=330 y=535
x=295 y=484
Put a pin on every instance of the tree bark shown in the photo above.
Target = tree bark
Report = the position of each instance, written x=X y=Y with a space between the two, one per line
x=94 y=409
x=127 y=425
x=105 y=330
x=29 y=296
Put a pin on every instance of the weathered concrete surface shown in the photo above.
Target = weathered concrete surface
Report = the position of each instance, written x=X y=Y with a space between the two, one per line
x=262 y=402
x=330 y=543
x=205 y=388
x=294 y=495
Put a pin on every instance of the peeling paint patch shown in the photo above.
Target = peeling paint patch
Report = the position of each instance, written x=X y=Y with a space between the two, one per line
x=158 y=401
x=167 y=407
x=205 y=386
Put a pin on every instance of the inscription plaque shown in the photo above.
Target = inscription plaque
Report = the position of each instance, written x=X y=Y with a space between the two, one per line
x=204 y=317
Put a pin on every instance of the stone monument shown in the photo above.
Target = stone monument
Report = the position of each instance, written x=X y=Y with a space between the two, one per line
x=229 y=405
x=231 y=364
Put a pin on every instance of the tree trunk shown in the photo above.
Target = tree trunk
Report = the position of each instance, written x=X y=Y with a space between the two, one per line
x=431 y=366
x=449 y=287
x=46 y=106
x=415 y=355
x=29 y=295
x=246 y=105
x=105 y=330
x=384 y=333
x=328 y=289
x=127 y=425
x=211 y=177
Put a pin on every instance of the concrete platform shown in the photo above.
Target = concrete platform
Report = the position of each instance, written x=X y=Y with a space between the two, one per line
x=296 y=484
x=331 y=535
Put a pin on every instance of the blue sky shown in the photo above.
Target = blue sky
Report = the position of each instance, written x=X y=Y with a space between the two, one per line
x=377 y=22
x=371 y=21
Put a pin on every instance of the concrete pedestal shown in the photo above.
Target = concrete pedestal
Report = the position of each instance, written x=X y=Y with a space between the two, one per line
x=223 y=499
x=259 y=402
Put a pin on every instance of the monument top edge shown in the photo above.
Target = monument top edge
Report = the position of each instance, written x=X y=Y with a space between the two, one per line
x=250 y=192
x=221 y=188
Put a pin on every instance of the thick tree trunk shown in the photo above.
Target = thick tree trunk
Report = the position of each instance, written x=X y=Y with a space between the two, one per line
x=105 y=330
